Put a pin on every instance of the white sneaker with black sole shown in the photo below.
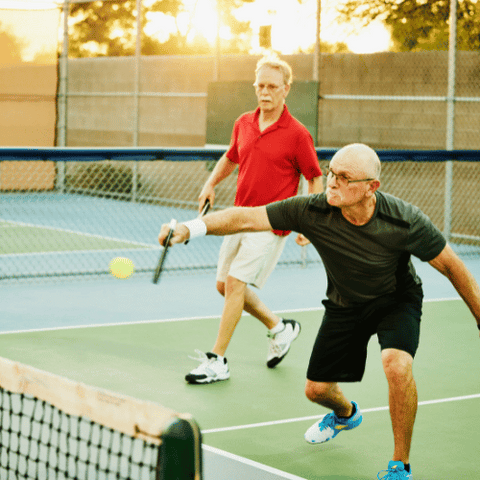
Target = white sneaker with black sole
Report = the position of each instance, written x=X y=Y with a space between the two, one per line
x=279 y=343
x=212 y=369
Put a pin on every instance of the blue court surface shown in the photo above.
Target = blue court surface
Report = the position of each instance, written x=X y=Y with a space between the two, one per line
x=111 y=301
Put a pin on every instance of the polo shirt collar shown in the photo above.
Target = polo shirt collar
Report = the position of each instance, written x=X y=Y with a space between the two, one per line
x=281 y=122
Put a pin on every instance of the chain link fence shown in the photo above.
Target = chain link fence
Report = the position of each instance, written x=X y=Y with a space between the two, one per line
x=69 y=217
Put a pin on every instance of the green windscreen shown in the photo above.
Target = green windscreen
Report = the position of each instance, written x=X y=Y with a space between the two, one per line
x=226 y=101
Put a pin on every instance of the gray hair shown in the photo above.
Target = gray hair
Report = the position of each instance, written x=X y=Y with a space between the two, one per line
x=273 y=61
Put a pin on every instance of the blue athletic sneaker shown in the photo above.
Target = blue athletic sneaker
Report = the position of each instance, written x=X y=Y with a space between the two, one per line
x=396 y=471
x=331 y=425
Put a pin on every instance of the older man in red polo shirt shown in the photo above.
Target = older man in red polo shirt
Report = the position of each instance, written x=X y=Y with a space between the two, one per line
x=271 y=149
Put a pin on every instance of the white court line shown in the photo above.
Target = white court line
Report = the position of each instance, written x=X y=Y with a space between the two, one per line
x=84 y=234
x=139 y=322
x=173 y=320
x=252 y=463
x=119 y=324
x=318 y=417
x=132 y=249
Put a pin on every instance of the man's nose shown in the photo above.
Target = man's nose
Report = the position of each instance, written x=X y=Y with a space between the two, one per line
x=332 y=179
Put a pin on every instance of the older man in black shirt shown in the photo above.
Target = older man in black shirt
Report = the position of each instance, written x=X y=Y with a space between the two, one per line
x=365 y=239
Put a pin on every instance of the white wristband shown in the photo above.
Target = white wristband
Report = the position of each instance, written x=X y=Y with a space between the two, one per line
x=197 y=228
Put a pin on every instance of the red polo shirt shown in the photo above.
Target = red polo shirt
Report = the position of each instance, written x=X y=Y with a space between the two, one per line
x=270 y=162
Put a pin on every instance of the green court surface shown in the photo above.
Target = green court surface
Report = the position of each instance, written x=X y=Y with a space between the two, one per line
x=24 y=238
x=261 y=414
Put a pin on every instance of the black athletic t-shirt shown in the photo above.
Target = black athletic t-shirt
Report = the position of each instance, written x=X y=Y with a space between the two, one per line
x=367 y=261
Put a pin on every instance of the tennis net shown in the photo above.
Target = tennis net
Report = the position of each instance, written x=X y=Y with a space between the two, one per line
x=55 y=428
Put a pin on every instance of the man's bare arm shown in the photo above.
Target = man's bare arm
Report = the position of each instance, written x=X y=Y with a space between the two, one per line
x=448 y=263
x=226 y=222
x=222 y=170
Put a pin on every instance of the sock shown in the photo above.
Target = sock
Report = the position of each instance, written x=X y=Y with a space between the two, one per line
x=354 y=411
x=219 y=357
x=279 y=327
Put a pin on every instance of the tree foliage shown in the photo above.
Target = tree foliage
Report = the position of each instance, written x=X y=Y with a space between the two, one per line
x=241 y=31
x=108 y=28
x=419 y=24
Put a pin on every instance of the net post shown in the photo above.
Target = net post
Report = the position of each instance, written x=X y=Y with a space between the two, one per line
x=180 y=453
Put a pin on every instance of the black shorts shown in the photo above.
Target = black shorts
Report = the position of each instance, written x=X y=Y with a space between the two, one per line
x=340 y=350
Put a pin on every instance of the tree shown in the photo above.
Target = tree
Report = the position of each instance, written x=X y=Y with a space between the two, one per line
x=109 y=29
x=241 y=32
x=11 y=47
x=418 y=24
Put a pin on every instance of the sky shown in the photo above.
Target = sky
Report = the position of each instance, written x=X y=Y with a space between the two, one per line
x=293 y=24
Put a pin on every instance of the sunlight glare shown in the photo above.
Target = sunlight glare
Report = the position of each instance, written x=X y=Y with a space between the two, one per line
x=373 y=38
x=198 y=19
x=29 y=4
x=201 y=18
x=159 y=25
x=293 y=24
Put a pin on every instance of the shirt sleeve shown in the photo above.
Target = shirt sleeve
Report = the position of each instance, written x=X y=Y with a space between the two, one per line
x=307 y=157
x=232 y=152
x=285 y=215
x=425 y=240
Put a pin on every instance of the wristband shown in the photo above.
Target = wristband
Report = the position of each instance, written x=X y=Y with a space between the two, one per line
x=196 y=227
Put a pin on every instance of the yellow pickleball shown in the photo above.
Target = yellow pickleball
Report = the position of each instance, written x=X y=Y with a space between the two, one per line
x=121 y=267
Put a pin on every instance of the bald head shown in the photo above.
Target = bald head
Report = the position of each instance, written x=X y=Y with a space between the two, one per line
x=362 y=159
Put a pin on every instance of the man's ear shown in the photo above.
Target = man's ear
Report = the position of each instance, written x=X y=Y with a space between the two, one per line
x=374 y=185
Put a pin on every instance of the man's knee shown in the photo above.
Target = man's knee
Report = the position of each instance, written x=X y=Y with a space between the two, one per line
x=221 y=288
x=397 y=365
x=234 y=286
x=231 y=286
x=316 y=391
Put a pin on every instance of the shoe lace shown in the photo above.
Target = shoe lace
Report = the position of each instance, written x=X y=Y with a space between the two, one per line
x=389 y=475
x=273 y=346
x=201 y=356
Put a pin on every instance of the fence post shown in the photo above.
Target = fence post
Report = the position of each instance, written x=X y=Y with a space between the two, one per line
x=450 y=131
x=136 y=99
x=447 y=222
x=303 y=250
x=62 y=100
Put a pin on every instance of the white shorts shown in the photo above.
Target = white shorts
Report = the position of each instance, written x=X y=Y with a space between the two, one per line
x=249 y=257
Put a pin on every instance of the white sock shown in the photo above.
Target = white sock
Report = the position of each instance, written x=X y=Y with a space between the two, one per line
x=279 y=327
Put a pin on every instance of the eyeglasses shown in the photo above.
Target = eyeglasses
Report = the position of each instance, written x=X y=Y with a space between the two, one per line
x=270 y=87
x=343 y=180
